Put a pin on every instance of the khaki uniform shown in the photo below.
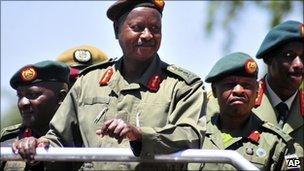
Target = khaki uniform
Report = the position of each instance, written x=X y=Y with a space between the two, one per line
x=294 y=125
x=267 y=153
x=8 y=136
x=167 y=117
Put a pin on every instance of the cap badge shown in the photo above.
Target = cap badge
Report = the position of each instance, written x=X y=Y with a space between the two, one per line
x=159 y=3
x=302 y=30
x=28 y=74
x=106 y=77
x=153 y=84
x=250 y=66
x=82 y=55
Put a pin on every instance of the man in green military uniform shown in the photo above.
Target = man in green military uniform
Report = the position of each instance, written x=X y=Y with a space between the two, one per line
x=281 y=101
x=80 y=57
x=234 y=126
x=41 y=88
x=137 y=102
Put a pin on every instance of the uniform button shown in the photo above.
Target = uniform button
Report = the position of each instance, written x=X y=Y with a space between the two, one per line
x=249 y=151
x=148 y=154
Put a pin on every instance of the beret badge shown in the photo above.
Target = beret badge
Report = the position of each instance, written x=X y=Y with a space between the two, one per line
x=82 y=55
x=159 y=4
x=28 y=74
x=302 y=30
x=250 y=66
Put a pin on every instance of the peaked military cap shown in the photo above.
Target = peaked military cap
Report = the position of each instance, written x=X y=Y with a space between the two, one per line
x=280 y=34
x=82 y=56
x=120 y=7
x=238 y=63
x=39 y=72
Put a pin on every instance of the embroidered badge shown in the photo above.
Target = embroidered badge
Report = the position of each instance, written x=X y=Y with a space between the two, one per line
x=106 y=77
x=153 y=84
x=159 y=4
x=254 y=136
x=28 y=74
x=250 y=66
x=260 y=152
x=82 y=56
x=302 y=30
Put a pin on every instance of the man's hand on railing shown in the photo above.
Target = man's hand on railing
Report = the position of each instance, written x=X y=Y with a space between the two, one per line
x=26 y=147
x=119 y=129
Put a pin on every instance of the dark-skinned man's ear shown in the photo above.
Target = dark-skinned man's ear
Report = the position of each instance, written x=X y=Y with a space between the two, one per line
x=62 y=95
x=213 y=90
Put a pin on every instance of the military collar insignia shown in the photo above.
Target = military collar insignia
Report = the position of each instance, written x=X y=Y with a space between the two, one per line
x=28 y=74
x=82 y=56
x=153 y=83
x=159 y=4
x=302 y=30
x=254 y=136
x=250 y=66
x=260 y=152
x=26 y=133
x=106 y=77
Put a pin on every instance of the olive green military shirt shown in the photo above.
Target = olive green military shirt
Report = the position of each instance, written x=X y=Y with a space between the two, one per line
x=12 y=133
x=167 y=118
x=294 y=125
x=266 y=153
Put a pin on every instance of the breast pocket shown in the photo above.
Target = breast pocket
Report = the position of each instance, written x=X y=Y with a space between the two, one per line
x=93 y=109
x=154 y=114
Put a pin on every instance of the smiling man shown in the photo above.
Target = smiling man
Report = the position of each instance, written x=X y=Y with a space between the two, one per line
x=40 y=88
x=137 y=101
x=281 y=99
x=234 y=126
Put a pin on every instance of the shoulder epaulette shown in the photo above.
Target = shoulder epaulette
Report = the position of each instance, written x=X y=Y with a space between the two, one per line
x=274 y=129
x=10 y=132
x=102 y=64
x=186 y=75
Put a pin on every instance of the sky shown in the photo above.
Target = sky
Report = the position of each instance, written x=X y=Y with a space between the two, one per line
x=32 y=31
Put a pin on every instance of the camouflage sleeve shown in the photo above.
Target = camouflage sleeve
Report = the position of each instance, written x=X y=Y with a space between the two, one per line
x=182 y=130
x=64 y=130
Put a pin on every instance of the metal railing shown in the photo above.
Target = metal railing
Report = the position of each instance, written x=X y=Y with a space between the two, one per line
x=126 y=155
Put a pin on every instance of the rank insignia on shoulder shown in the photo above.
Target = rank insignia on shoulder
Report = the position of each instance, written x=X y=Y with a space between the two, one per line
x=254 y=136
x=28 y=73
x=250 y=66
x=153 y=83
x=82 y=56
x=106 y=76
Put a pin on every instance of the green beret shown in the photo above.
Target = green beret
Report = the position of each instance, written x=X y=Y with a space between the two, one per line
x=238 y=63
x=280 y=34
x=39 y=72
x=120 y=7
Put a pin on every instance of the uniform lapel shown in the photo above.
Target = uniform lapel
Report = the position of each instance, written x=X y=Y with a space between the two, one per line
x=294 y=119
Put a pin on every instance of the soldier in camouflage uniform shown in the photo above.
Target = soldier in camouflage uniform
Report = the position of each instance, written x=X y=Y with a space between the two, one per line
x=234 y=126
x=41 y=88
x=281 y=93
x=80 y=57
x=137 y=102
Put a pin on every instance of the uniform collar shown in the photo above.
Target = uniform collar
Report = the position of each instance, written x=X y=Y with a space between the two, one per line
x=275 y=99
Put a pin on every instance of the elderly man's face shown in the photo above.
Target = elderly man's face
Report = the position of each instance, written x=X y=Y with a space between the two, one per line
x=236 y=95
x=286 y=68
x=38 y=103
x=140 y=33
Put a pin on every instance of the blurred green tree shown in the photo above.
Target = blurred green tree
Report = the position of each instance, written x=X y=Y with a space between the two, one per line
x=232 y=10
